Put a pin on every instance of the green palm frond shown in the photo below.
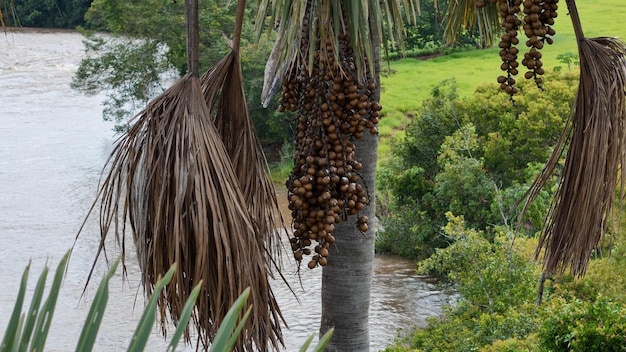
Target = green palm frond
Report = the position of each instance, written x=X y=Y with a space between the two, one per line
x=463 y=15
x=28 y=332
x=302 y=24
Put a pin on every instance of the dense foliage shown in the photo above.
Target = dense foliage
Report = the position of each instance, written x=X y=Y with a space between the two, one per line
x=42 y=13
x=497 y=281
x=449 y=197
x=473 y=157
x=145 y=49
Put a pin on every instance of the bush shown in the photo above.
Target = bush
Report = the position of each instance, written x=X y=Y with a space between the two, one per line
x=584 y=326
x=489 y=275
x=474 y=157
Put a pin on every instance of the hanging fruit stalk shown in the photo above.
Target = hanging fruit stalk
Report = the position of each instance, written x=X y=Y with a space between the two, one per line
x=537 y=24
x=333 y=109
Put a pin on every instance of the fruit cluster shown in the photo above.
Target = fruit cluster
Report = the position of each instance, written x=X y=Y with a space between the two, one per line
x=537 y=24
x=509 y=11
x=333 y=109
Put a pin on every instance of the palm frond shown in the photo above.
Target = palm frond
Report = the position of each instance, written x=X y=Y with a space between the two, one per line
x=222 y=87
x=594 y=165
x=302 y=25
x=171 y=178
x=594 y=171
x=235 y=127
x=462 y=15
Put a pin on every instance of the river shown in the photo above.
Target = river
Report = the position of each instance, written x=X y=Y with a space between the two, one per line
x=53 y=144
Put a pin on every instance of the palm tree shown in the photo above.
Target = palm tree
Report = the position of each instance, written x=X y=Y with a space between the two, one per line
x=311 y=44
x=327 y=57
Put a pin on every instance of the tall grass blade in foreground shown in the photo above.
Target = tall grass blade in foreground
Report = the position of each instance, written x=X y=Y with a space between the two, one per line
x=91 y=327
x=596 y=159
x=170 y=178
x=184 y=319
x=12 y=332
x=144 y=328
x=29 y=332
x=44 y=317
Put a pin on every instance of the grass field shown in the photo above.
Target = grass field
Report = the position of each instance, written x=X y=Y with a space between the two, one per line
x=412 y=79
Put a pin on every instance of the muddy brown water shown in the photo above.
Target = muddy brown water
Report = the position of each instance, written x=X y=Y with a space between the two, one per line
x=53 y=144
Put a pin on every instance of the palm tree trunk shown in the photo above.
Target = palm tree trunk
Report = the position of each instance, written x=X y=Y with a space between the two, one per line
x=347 y=278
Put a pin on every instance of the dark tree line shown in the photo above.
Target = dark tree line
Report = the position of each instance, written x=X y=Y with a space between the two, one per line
x=45 y=13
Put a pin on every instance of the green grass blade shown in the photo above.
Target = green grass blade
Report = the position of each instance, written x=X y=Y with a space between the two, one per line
x=321 y=344
x=144 y=327
x=324 y=341
x=96 y=312
x=44 y=318
x=16 y=338
x=184 y=317
x=12 y=327
x=306 y=343
x=33 y=312
x=235 y=335
x=225 y=330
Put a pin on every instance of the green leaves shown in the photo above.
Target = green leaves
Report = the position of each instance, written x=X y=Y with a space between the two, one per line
x=140 y=338
x=96 y=312
x=362 y=20
x=28 y=332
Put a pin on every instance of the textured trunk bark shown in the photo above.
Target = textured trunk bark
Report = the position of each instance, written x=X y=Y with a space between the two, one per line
x=347 y=278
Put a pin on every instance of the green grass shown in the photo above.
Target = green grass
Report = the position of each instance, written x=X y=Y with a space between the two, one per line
x=411 y=79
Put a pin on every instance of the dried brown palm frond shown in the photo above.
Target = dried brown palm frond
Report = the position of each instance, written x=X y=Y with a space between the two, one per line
x=171 y=179
x=594 y=165
x=222 y=87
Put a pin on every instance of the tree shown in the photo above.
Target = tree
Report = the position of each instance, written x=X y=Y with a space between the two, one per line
x=474 y=156
x=328 y=54
x=52 y=14
x=309 y=48
x=131 y=63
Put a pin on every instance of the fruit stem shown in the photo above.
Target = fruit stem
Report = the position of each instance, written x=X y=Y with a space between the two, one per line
x=241 y=9
x=573 y=12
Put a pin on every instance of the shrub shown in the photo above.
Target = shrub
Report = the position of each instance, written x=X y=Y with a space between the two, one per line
x=584 y=326
x=474 y=157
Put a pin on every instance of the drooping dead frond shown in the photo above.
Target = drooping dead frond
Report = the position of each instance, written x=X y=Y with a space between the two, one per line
x=222 y=87
x=594 y=166
x=237 y=132
x=171 y=179
x=594 y=163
